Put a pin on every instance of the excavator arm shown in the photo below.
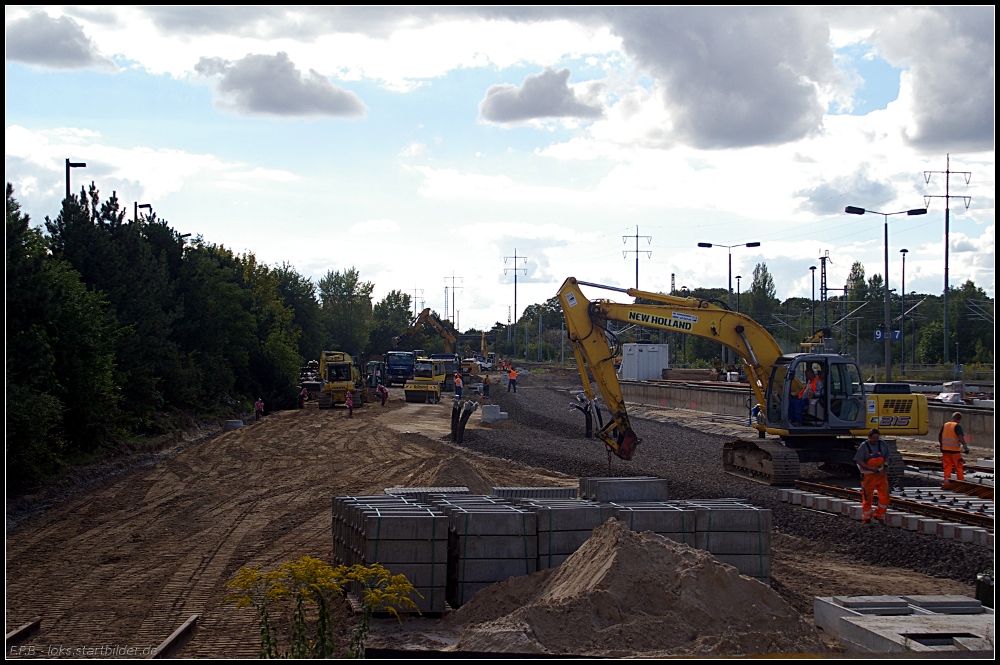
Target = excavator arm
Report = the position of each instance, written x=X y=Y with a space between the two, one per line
x=593 y=344
x=426 y=316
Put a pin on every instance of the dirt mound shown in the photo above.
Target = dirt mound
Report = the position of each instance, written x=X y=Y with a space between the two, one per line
x=625 y=594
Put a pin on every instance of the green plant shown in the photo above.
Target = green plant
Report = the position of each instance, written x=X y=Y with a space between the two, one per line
x=299 y=586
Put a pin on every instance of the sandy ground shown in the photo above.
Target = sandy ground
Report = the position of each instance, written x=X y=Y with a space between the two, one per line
x=125 y=561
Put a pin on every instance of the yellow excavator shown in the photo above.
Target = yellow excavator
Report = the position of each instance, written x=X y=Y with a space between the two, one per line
x=827 y=430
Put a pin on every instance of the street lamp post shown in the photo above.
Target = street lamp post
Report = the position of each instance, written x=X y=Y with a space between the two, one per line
x=72 y=165
x=812 y=303
x=738 y=277
x=729 y=291
x=887 y=333
x=902 y=318
x=145 y=206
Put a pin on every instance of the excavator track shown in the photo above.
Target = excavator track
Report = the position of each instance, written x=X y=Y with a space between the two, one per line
x=766 y=462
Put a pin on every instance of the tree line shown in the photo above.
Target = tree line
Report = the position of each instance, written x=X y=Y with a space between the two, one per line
x=114 y=324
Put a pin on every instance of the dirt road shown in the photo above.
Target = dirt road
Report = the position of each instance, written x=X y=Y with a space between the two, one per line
x=126 y=562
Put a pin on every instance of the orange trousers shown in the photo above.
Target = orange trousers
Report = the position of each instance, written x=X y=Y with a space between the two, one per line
x=950 y=461
x=870 y=484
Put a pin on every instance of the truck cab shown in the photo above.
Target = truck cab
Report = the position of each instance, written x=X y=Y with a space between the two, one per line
x=398 y=367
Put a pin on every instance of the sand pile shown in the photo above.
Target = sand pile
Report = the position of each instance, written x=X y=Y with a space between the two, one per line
x=624 y=594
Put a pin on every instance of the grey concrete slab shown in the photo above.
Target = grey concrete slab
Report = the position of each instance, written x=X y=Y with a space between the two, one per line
x=733 y=519
x=667 y=518
x=498 y=547
x=624 y=489
x=734 y=542
x=492 y=570
x=430 y=599
x=689 y=539
x=403 y=551
x=562 y=542
x=751 y=565
x=412 y=526
x=492 y=522
x=421 y=574
x=946 y=603
x=868 y=602
x=536 y=492
x=917 y=633
x=568 y=518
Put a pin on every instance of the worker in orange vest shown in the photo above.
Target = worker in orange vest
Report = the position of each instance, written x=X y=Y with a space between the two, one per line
x=872 y=459
x=512 y=380
x=812 y=387
x=951 y=441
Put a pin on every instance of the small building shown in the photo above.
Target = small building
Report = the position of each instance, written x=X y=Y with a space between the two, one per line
x=644 y=362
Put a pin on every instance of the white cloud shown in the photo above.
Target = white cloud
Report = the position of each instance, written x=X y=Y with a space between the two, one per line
x=543 y=95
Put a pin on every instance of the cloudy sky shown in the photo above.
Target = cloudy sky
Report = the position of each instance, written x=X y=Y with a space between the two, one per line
x=429 y=146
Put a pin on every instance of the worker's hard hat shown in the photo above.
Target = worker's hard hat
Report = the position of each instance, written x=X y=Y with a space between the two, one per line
x=956 y=416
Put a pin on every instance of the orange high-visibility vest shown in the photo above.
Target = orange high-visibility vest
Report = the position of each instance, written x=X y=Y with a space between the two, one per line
x=950 y=443
x=513 y=375
x=809 y=386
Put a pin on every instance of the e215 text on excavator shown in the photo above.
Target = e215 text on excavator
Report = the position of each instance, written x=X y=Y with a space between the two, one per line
x=824 y=428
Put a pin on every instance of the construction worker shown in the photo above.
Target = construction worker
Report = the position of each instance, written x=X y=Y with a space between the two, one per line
x=349 y=403
x=258 y=409
x=812 y=387
x=458 y=385
x=303 y=396
x=512 y=380
x=872 y=459
x=486 y=386
x=951 y=442
x=382 y=392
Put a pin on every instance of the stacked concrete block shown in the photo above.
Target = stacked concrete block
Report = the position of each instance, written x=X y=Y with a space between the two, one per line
x=535 y=492
x=563 y=526
x=636 y=488
x=405 y=537
x=491 y=413
x=489 y=541
x=736 y=533
x=420 y=494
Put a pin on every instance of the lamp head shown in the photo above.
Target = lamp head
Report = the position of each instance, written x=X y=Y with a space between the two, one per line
x=853 y=210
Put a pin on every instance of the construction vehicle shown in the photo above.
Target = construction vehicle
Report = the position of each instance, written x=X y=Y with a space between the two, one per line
x=834 y=423
x=450 y=342
x=339 y=374
x=469 y=366
x=374 y=374
x=399 y=367
x=427 y=382
x=821 y=341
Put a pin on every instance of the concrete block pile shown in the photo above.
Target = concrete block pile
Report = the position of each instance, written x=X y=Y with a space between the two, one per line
x=459 y=543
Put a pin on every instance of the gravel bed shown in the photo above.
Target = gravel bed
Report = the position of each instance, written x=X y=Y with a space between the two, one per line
x=543 y=431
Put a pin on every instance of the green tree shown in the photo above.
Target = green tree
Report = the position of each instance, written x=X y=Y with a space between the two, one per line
x=346 y=310
x=62 y=394
x=760 y=300
x=299 y=293
x=390 y=317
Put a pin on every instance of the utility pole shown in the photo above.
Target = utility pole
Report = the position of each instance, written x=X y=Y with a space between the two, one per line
x=672 y=283
x=947 y=222
x=453 y=289
x=515 y=270
x=539 y=335
x=446 y=302
x=626 y=252
x=415 y=310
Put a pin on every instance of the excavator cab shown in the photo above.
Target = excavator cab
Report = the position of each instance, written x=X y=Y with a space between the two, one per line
x=836 y=408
